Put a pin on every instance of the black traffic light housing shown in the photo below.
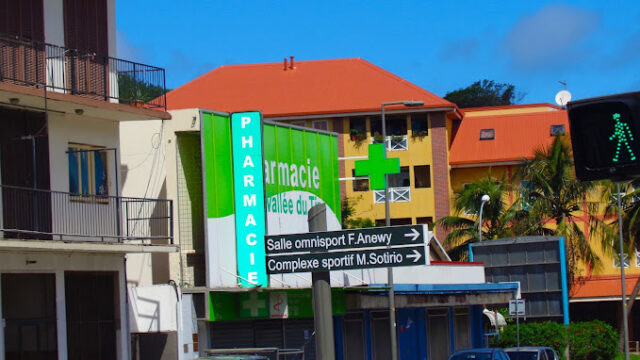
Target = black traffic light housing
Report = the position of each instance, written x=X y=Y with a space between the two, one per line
x=605 y=138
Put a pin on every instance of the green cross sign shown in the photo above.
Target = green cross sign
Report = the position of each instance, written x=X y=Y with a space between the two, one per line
x=377 y=167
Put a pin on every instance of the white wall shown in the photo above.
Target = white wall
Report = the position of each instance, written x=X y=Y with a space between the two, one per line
x=58 y=263
x=153 y=308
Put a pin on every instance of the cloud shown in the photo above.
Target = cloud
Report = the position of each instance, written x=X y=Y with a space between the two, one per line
x=551 y=35
x=462 y=49
x=125 y=49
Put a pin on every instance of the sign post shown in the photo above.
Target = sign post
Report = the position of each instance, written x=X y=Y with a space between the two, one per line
x=516 y=307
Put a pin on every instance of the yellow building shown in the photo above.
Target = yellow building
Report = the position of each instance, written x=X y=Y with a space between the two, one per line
x=495 y=140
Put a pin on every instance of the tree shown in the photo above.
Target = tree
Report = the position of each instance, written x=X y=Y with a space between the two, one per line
x=556 y=199
x=485 y=93
x=499 y=219
x=630 y=206
x=347 y=212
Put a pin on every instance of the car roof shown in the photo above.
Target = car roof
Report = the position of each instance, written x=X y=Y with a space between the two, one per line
x=476 y=350
x=528 y=348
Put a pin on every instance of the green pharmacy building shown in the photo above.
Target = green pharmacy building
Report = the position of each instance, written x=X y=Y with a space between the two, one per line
x=236 y=177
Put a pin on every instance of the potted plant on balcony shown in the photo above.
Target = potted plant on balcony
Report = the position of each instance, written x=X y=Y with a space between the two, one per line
x=377 y=138
x=358 y=137
x=419 y=134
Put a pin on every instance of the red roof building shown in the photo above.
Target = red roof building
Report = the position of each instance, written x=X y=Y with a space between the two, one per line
x=338 y=86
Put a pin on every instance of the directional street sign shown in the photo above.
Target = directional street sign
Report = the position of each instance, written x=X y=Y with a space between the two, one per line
x=345 y=239
x=345 y=260
x=348 y=249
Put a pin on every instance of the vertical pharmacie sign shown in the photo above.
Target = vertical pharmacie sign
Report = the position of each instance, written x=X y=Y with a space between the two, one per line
x=246 y=136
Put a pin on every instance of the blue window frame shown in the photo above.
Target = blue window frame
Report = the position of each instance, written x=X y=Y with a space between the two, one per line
x=87 y=170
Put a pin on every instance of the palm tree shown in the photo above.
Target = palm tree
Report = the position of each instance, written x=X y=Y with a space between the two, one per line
x=499 y=218
x=557 y=200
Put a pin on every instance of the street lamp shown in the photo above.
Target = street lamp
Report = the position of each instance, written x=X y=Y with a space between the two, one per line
x=392 y=301
x=485 y=199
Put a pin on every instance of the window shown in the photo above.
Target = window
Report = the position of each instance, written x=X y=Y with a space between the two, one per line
x=300 y=123
x=394 y=222
x=358 y=128
x=359 y=184
x=487 y=134
x=616 y=261
x=557 y=130
x=422 y=176
x=87 y=170
x=419 y=124
x=396 y=125
x=428 y=220
x=321 y=125
x=401 y=179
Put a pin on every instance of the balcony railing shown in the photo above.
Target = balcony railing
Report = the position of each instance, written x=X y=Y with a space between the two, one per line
x=71 y=71
x=393 y=142
x=54 y=215
x=396 y=194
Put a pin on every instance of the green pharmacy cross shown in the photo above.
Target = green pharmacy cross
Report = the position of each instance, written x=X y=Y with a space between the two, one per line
x=377 y=166
x=622 y=135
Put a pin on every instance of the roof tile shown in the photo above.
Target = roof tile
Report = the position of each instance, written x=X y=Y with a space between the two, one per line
x=312 y=87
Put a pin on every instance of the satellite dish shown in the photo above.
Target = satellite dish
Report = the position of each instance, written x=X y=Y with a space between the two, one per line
x=563 y=97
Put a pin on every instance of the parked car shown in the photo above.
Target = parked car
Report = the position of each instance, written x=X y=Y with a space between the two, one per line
x=479 y=354
x=531 y=353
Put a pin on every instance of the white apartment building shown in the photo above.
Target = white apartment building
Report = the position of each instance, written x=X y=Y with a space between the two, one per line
x=65 y=228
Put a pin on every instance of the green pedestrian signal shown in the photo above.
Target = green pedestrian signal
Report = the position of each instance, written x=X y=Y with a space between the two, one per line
x=622 y=136
x=604 y=136
x=377 y=166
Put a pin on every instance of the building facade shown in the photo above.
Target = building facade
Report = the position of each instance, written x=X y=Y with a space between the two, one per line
x=65 y=228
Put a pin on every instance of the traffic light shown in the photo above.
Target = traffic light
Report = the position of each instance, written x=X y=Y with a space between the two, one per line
x=605 y=138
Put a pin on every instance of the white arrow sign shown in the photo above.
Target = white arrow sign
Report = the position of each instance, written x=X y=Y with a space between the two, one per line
x=414 y=233
x=415 y=256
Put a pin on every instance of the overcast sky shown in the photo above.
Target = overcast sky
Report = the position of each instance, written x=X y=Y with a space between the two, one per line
x=593 y=46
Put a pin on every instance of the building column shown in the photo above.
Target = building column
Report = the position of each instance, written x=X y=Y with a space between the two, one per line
x=440 y=158
x=61 y=315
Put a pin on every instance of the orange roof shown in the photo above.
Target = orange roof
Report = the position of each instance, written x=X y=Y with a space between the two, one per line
x=603 y=286
x=312 y=87
x=515 y=106
x=516 y=137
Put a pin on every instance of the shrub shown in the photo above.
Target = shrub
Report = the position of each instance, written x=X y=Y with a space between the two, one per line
x=534 y=334
x=593 y=340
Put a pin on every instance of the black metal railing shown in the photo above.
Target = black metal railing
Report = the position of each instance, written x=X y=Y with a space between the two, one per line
x=71 y=71
x=55 y=215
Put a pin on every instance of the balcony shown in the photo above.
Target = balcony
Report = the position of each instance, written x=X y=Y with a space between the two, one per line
x=54 y=215
x=70 y=71
x=393 y=142
x=396 y=194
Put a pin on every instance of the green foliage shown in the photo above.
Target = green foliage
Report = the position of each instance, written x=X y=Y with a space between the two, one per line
x=358 y=138
x=484 y=93
x=499 y=219
x=132 y=91
x=347 y=212
x=591 y=340
x=546 y=333
x=557 y=200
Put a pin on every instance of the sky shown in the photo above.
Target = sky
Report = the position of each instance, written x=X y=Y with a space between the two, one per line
x=592 y=46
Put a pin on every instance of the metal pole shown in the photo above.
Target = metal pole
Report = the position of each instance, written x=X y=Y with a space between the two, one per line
x=321 y=290
x=480 y=222
x=622 y=279
x=392 y=298
x=517 y=326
